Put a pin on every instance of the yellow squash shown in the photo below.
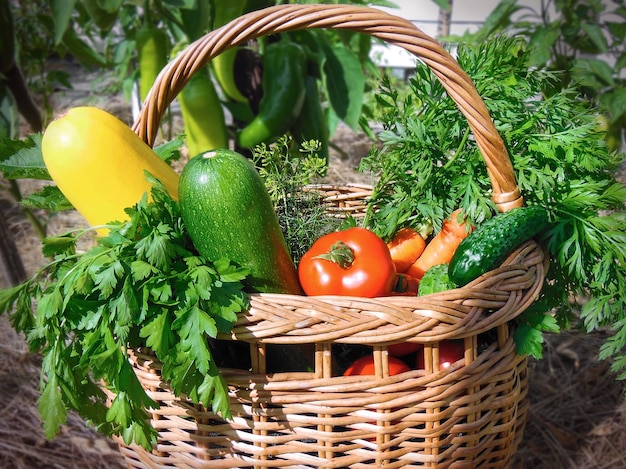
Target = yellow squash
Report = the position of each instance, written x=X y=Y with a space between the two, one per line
x=98 y=163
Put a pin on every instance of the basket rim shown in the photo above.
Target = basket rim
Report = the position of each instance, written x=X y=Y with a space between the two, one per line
x=488 y=302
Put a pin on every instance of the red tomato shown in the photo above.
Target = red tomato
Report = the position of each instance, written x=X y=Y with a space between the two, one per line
x=450 y=351
x=402 y=349
x=365 y=366
x=352 y=262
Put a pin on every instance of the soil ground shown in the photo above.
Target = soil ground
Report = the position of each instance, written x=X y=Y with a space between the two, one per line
x=577 y=416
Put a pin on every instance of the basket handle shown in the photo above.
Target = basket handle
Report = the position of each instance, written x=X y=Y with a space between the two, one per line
x=389 y=28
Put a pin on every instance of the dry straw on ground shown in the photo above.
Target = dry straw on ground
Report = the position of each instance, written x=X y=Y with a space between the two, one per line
x=22 y=443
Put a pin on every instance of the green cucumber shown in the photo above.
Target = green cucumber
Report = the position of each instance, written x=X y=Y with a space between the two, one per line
x=228 y=213
x=489 y=245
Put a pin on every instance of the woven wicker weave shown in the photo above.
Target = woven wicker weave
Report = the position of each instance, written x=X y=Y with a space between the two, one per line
x=470 y=415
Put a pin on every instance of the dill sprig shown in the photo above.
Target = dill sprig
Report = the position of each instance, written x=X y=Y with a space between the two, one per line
x=286 y=172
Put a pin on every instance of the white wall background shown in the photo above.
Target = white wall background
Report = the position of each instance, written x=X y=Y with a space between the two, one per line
x=467 y=15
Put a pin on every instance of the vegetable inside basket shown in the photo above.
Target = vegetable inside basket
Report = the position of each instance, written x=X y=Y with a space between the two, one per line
x=471 y=414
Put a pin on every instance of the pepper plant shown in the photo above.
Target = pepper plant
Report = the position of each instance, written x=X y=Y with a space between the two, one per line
x=150 y=29
x=133 y=39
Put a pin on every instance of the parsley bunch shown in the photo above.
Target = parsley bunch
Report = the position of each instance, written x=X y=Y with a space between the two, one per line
x=430 y=165
x=143 y=285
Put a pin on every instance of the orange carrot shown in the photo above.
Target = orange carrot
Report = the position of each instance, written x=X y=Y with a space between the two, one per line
x=405 y=247
x=441 y=248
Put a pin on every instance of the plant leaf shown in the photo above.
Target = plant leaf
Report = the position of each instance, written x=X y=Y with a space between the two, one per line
x=345 y=84
x=9 y=115
x=49 y=198
x=51 y=407
x=61 y=14
x=22 y=159
x=615 y=102
x=596 y=34
x=443 y=4
x=499 y=18
x=541 y=42
x=170 y=150
x=593 y=72
x=195 y=327
x=158 y=334
x=61 y=244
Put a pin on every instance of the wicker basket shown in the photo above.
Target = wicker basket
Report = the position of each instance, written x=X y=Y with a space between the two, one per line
x=470 y=415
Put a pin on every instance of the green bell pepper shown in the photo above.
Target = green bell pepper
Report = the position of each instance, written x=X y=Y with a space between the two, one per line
x=284 y=91
x=224 y=64
x=203 y=116
x=202 y=112
x=311 y=122
x=152 y=48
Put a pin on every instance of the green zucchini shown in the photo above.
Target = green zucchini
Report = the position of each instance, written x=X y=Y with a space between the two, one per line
x=228 y=214
x=489 y=245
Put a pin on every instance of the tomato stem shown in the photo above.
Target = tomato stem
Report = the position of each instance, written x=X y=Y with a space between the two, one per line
x=401 y=284
x=339 y=253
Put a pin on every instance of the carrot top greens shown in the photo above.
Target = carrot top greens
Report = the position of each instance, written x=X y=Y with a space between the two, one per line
x=429 y=165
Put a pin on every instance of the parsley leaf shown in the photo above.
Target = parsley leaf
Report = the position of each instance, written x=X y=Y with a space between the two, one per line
x=52 y=408
x=142 y=285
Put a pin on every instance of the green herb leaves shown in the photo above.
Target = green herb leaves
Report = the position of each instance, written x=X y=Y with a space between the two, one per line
x=429 y=165
x=286 y=171
x=141 y=286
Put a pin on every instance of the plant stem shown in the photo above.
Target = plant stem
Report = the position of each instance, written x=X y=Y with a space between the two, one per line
x=26 y=106
x=458 y=150
x=12 y=270
x=40 y=229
